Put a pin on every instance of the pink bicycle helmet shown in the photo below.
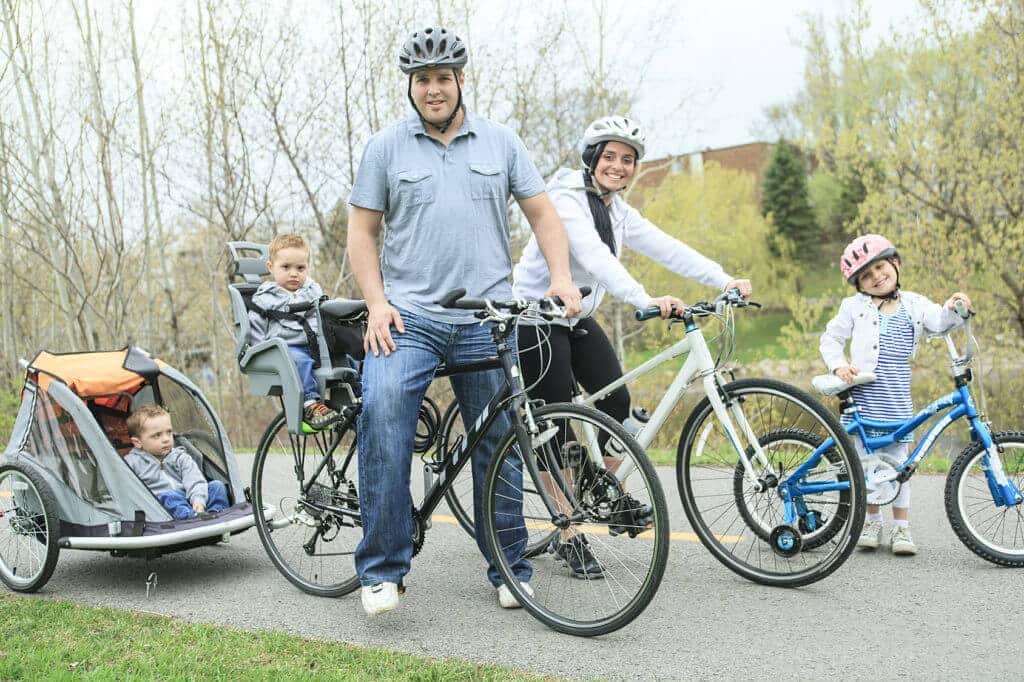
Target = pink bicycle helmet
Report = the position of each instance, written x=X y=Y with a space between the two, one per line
x=862 y=252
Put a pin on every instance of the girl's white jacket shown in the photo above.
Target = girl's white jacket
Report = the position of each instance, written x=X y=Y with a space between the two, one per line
x=592 y=264
x=857 y=320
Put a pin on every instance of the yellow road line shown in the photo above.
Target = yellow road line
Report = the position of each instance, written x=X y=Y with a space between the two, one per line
x=599 y=530
x=6 y=494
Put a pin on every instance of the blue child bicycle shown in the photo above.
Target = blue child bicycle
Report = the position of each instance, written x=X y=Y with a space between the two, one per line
x=983 y=489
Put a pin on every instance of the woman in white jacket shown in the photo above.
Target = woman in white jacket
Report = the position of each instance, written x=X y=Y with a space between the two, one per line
x=883 y=325
x=599 y=224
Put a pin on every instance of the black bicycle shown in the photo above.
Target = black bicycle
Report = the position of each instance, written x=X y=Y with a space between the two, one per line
x=305 y=492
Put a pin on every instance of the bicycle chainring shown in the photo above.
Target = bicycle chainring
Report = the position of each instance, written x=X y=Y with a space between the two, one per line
x=882 y=492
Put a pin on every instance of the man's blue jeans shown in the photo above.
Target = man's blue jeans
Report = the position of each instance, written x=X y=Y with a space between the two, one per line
x=393 y=389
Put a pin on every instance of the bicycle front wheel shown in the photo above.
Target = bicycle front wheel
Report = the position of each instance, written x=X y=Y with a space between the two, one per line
x=616 y=531
x=742 y=522
x=993 y=533
x=459 y=495
x=306 y=506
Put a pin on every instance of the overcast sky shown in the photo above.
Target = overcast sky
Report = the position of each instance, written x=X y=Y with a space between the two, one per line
x=745 y=55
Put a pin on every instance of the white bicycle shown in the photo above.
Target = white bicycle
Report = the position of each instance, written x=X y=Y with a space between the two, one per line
x=768 y=478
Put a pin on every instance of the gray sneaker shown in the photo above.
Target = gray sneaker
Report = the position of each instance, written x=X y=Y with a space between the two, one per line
x=901 y=541
x=871 y=535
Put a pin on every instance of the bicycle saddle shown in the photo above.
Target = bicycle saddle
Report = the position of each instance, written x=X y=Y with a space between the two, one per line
x=343 y=309
x=830 y=384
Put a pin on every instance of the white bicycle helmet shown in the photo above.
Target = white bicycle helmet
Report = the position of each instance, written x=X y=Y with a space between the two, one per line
x=618 y=128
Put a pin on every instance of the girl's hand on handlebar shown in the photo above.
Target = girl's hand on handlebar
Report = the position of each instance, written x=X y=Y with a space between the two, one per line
x=742 y=284
x=959 y=296
x=666 y=304
x=846 y=373
x=379 y=320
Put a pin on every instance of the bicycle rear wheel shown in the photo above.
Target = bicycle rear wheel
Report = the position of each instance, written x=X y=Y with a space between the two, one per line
x=994 y=533
x=459 y=495
x=625 y=524
x=741 y=523
x=314 y=528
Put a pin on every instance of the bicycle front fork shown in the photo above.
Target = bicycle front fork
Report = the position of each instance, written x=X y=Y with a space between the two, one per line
x=1004 y=491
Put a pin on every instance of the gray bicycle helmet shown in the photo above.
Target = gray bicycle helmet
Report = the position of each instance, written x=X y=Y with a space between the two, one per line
x=431 y=48
x=617 y=128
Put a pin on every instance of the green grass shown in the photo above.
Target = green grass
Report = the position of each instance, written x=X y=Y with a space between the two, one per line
x=61 y=640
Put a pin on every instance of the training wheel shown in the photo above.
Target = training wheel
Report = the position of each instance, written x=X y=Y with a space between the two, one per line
x=785 y=541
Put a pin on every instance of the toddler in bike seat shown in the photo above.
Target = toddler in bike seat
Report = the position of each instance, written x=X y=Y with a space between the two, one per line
x=883 y=325
x=169 y=472
x=270 y=317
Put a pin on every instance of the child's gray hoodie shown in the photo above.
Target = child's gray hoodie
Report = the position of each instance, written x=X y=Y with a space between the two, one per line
x=271 y=296
x=177 y=471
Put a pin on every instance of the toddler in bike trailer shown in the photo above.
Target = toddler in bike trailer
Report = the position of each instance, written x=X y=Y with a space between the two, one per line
x=270 y=317
x=884 y=326
x=169 y=472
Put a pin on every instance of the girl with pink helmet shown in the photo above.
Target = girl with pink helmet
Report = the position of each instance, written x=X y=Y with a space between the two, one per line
x=883 y=325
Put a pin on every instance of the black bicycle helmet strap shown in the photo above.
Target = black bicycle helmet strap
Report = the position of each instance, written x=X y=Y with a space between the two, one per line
x=455 y=112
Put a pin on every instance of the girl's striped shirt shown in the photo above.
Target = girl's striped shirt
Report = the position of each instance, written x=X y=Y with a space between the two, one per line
x=888 y=397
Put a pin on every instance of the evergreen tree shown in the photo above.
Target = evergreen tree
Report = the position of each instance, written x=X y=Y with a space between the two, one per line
x=785 y=202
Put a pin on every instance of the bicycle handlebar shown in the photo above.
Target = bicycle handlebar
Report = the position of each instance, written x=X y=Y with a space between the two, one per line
x=701 y=308
x=454 y=299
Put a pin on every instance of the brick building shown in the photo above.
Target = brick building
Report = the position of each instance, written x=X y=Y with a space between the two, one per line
x=750 y=158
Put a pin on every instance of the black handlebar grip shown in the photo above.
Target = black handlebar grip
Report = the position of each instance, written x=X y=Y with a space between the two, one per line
x=451 y=297
x=584 y=292
x=300 y=307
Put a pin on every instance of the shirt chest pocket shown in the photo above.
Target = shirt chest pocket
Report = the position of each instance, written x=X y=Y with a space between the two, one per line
x=413 y=187
x=487 y=181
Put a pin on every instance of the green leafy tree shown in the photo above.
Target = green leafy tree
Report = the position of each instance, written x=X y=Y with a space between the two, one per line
x=932 y=123
x=835 y=200
x=784 y=201
x=716 y=213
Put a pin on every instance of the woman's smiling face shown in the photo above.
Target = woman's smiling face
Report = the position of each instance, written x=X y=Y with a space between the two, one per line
x=616 y=166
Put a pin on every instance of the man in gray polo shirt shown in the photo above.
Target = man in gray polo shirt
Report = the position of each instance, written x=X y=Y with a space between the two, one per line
x=440 y=180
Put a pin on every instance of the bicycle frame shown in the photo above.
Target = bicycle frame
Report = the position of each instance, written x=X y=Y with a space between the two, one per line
x=700 y=364
x=959 y=404
x=511 y=397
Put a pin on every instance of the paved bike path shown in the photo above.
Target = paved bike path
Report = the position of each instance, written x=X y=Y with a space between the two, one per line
x=944 y=613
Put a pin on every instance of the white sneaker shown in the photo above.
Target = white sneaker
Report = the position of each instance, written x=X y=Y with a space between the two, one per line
x=379 y=598
x=507 y=600
x=871 y=535
x=901 y=541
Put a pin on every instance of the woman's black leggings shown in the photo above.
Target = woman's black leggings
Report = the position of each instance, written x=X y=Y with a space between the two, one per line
x=583 y=354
